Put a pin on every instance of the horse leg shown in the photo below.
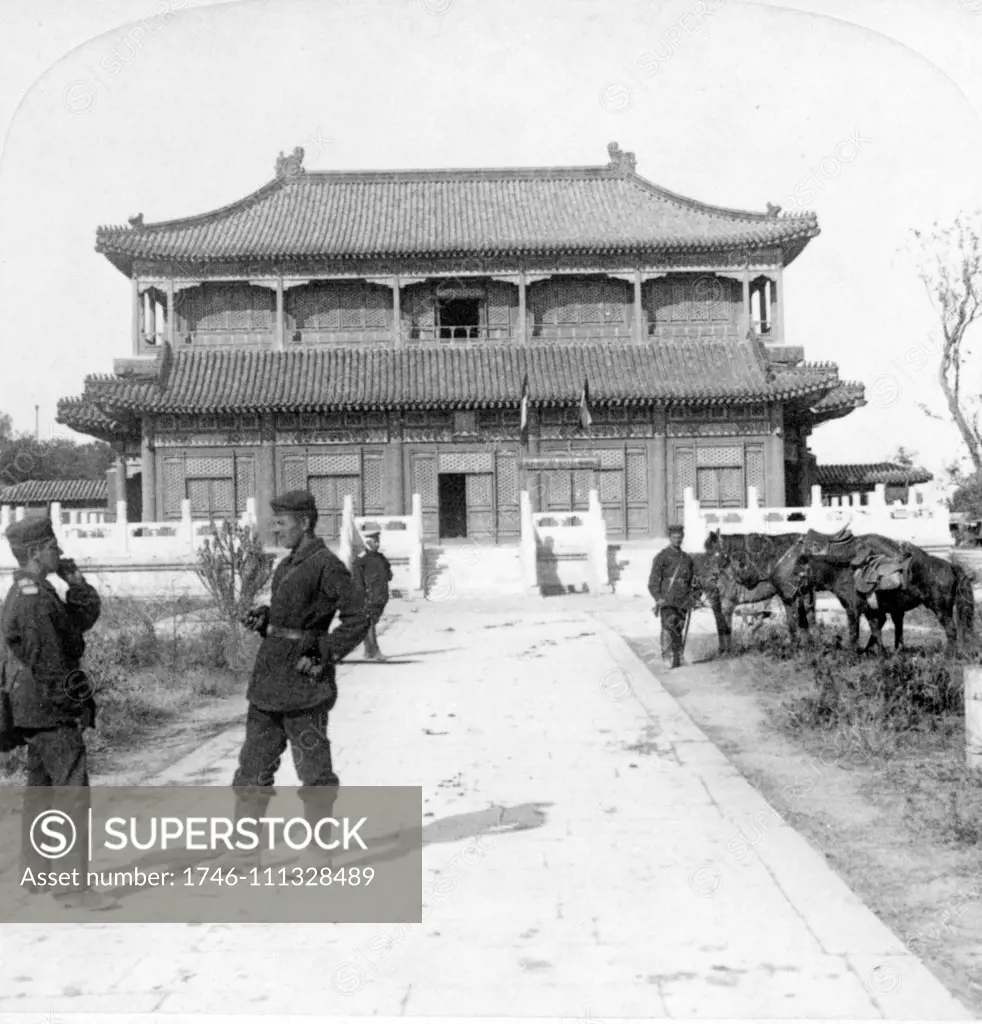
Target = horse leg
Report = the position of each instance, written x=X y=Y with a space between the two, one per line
x=876 y=620
x=897 y=615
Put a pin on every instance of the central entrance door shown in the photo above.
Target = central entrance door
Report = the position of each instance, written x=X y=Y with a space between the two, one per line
x=452 y=502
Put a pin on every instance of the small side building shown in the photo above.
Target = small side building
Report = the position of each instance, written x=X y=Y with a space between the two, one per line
x=80 y=500
x=846 y=479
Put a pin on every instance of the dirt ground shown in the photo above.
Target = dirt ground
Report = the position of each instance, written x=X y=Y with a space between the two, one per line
x=882 y=823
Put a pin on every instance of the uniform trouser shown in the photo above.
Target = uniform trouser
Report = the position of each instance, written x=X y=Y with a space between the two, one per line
x=672 y=625
x=371 y=637
x=267 y=734
x=56 y=759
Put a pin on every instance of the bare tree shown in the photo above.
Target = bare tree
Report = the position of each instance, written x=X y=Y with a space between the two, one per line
x=951 y=269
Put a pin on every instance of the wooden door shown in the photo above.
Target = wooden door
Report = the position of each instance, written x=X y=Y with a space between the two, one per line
x=480 y=514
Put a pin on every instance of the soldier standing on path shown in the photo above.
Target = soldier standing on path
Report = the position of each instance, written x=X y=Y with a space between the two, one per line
x=671 y=585
x=50 y=699
x=373 y=574
x=293 y=685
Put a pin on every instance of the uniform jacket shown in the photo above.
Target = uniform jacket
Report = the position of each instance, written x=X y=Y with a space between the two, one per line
x=43 y=645
x=309 y=588
x=373 y=573
x=672 y=574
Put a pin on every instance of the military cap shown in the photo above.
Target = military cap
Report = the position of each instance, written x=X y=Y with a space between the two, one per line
x=297 y=502
x=371 y=530
x=675 y=528
x=30 y=530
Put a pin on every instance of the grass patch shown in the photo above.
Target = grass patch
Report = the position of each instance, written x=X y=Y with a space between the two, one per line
x=901 y=715
x=151 y=663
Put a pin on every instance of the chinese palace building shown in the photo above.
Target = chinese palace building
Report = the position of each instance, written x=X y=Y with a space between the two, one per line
x=373 y=334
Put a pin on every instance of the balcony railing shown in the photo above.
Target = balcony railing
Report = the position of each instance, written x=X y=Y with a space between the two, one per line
x=471 y=333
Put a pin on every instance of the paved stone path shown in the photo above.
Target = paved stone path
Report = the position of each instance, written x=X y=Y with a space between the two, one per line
x=623 y=898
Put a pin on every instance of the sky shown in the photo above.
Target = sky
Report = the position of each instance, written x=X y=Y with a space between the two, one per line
x=867 y=113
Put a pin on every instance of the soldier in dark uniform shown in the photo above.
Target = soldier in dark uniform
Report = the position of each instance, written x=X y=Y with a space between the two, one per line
x=671 y=585
x=50 y=699
x=373 y=574
x=293 y=687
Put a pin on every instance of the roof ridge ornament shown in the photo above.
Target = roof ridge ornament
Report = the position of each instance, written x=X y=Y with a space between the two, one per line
x=290 y=166
x=137 y=221
x=773 y=209
x=620 y=160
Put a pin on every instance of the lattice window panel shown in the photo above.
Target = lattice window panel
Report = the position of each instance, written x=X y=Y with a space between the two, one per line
x=755 y=468
x=678 y=300
x=424 y=480
x=685 y=472
x=352 y=299
x=707 y=486
x=615 y=300
x=611 y=485
x=333 y=465
x=507 y=480
x=565 y=302
x=173 y=486
x=590 y=302
x=211 y=497
x=701 y=294
x=466 y=462
x=294 y=473
x=373 y=488
x=558 y=484
x=729 y=455
x=499 y=304
x=731 y=486
x=209 y=467
x=478 y=489
x=637 y=476
x=610 y=458
x=314 y=307
x=418 y=308
x=582 y=479
x=245 y=481
x=376 y=307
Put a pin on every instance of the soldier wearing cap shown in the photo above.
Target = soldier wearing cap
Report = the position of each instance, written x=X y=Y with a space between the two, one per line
x=48 y=695
x=373 y=574
x=671 y=585
x=293 y=687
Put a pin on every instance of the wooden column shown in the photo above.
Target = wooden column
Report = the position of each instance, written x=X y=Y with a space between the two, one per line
x=148 y=512
x=746 y=302
x=523 y=327
x=280 y=316
x=265 y=475
x=533 y=480
x=152 y=306
x=171 y=315
x=777 y=290
x=658 y=477
x=137 y=316
x=638 y=311
x=397 y=318
x=396 y=501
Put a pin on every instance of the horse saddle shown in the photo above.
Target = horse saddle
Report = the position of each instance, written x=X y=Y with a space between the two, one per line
x=881 y=572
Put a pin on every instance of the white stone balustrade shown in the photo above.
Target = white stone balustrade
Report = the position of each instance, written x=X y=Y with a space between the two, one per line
x=924 y=523
x=121 y=542
x=570 y=548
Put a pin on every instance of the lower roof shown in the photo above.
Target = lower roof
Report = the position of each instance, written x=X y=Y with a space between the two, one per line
x=692 y=371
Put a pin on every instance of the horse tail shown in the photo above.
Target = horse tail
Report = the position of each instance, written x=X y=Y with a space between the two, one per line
x=964 y=603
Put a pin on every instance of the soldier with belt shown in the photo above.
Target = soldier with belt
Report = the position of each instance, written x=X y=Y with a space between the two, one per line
x=49 y=699
x=373 y=574
x=293 y=686
x=671 y=585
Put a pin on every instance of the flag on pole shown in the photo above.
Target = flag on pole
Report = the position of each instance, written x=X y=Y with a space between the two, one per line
x=525 y=411
x=585 y=418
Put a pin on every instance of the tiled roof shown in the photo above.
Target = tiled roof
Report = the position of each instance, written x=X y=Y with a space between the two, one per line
x=38 y=492
x=82 y=415
x=459 y=376
x=336 y=214
x=857 y=474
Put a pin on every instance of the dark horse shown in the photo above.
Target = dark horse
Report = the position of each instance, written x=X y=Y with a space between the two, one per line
x=943 y=588
x=769 y=566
